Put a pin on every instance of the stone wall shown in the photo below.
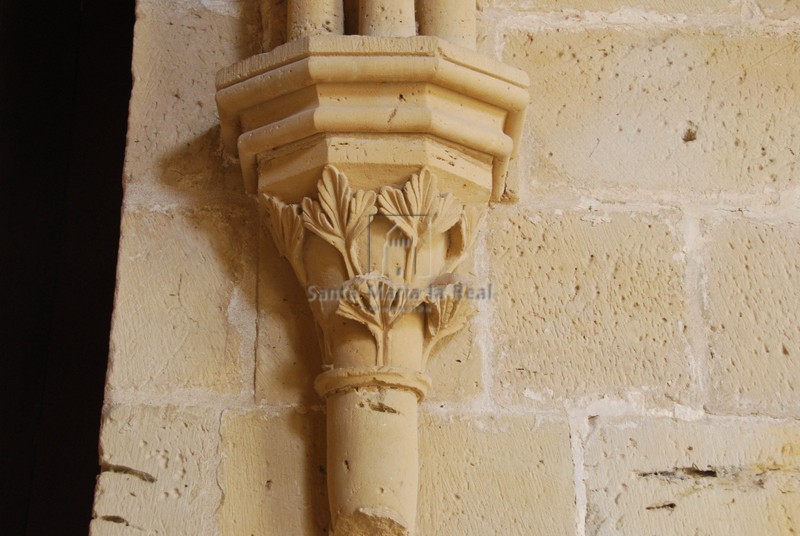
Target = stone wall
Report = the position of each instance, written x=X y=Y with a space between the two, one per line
x=638 y=368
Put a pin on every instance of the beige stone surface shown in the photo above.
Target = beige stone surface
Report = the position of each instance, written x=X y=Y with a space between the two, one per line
x=456 y=367
x=184 y=316
x=173 y=132
x=273 y=474
x=495 y=475
x=159 y=472
x=587 y=305
x=780 y=9
x=776 y=9
x=753 y=308
x=667 y=111
x=287 y=353
x=716 y=477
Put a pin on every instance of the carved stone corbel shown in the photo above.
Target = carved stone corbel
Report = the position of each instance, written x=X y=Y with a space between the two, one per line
x=375 y=156
x=378 y=272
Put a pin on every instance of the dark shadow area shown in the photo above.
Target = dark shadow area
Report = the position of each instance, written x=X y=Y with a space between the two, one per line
x=64 y=89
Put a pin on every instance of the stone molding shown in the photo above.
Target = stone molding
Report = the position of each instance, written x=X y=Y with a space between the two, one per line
x=289 y=112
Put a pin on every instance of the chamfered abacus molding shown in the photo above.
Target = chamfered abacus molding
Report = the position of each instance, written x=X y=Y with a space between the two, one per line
x=377 y=108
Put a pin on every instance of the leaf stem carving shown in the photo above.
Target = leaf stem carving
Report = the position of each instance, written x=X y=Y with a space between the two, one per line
x=447 y=314
x=340 y=216
x=419 y=211
x=378 y=303
x=286 y=227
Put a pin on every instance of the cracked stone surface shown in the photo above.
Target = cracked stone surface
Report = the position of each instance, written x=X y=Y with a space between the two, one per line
x=159 y=472
x=714 y=477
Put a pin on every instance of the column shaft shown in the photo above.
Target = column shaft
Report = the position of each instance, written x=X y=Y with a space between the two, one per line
x=314 y=17
x=373 y=460
x=452 y=20
x=387 y=18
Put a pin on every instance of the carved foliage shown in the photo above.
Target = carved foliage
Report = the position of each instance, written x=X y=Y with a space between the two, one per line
x=378 y=304
x=287 y=232
x=447 y=314
x=419 y=211
x=341 y=216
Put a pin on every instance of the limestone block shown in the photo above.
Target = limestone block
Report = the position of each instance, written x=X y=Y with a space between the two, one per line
x=687 y=7
x=753 y=307
x=184 y=316
x=173 y=132
x=780 y=9
x=273 y=474
x=716 y=477
x=689 y=111
x=288 y=352
x=456 y=367
x=158 y=475
x=495 y=475
x=587 y=306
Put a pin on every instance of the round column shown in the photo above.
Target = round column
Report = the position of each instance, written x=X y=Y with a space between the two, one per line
x=387 y=18
x=373 y=452
x=452 y=20
x=373 y=461
x=314 y=17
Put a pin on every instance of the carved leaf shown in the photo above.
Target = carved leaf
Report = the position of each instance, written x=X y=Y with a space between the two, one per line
x=394 y=206
x=328 y=217
x=419 y=209
x=421 y=192
x=446 y=214
x=339 y=216
x=463 y=234
x=362 y=206
x=286 y=228
x=378 y=304
x=447 y=314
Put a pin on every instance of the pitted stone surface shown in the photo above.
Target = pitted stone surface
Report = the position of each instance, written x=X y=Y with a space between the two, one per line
x=519 y=464
x=587 y=305
x=173 y=132
x=753 y=308
x=273 y=473
x=716 y=477
x=158 y=472
x=667 y=111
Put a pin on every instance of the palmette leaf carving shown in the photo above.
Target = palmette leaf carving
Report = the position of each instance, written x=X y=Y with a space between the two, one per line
x=447 y=314
x=339 y=216
x=286 y=227
x=419 y=211
x=378 y=303
x=463 y=234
